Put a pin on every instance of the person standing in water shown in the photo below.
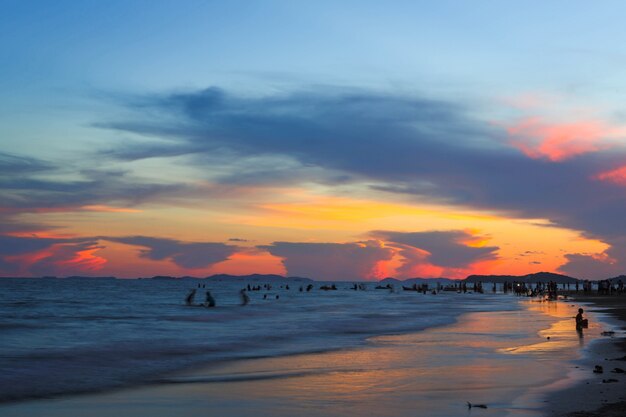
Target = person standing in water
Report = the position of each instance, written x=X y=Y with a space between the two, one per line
x=244 y=297
x=581 y=322
x=190 y=297
x=210 y=301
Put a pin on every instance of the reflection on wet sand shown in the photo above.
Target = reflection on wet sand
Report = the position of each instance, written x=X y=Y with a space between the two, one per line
x=487 y=358
x=562 y=337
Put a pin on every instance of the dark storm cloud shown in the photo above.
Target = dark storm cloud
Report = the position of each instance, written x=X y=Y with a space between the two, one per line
x=447 y=248
x=184 y=254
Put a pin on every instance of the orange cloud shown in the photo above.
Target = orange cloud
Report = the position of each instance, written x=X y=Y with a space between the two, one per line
x=109 y=209
x=84 y=260
x=59 y=258
x=559 y=141
x=616 y=176
x=27 y=259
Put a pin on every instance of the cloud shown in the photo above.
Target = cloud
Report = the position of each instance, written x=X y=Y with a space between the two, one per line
x=48 y=256
x=67 y=256
x=590 y=266
x=419 y=253
x=381 y=133
x=400 y=144
x=23 y=190
x=16 y=165
x=439 y=252
x=14 y=245
x=616 y=176
x=412 y=145
x=531 y=252
x=331 y=261
x=445 y=248
x=610 y=263
x=69 y=259
x=559 y=141
x=433 y=150
x=189 y=255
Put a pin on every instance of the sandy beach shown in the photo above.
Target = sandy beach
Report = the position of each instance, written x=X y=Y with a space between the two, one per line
x=595 y=396
x=509 y=361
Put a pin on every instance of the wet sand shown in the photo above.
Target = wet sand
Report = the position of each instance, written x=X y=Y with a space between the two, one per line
x=595 y=396
x=506 y=360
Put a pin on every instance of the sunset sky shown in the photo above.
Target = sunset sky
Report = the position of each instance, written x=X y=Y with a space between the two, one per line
x=333 y=140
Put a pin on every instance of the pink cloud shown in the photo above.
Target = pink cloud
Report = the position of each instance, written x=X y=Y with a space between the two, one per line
x=559 y=141
x=616 y=176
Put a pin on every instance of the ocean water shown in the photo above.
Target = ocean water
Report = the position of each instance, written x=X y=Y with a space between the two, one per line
x=65 y=336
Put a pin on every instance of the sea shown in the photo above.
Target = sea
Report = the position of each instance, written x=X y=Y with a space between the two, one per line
x=61 y=337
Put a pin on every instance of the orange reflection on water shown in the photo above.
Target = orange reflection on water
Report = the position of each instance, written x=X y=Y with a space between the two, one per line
x=561 y=335
x=412 y=374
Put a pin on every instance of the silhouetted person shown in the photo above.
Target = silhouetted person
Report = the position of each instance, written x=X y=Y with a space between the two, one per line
x=244 y=297
x=581 y=322
x=210 y=301
x=190 y=297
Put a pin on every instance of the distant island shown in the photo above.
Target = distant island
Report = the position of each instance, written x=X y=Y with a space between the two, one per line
x=538 y=277
x=228 y=277
x=542 y=277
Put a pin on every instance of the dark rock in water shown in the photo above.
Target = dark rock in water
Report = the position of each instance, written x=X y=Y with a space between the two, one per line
x=610 y=380
x=608 y=333
x=618 y=371
x=598 y=369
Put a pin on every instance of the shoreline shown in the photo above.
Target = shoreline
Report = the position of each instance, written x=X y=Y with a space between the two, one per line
x=596 y=394
x=482 y=351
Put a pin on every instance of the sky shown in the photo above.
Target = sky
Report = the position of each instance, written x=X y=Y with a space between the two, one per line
x=349 y=140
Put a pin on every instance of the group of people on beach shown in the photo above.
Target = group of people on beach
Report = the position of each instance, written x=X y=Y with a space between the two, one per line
x=606 y=287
